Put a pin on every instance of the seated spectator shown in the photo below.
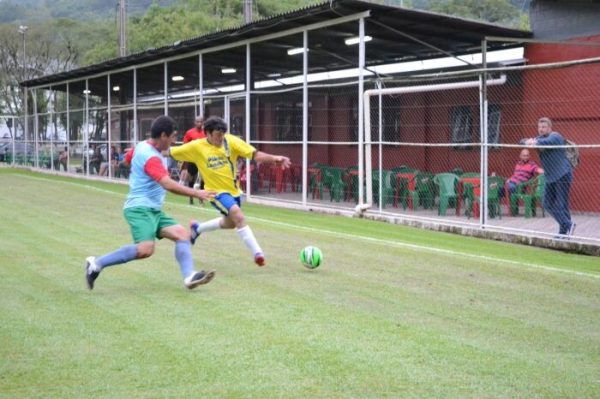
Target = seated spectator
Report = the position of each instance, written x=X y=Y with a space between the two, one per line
x=125 y=162
x=95 y=159
x=114 y=162
x=525 y=170
x=63 y=159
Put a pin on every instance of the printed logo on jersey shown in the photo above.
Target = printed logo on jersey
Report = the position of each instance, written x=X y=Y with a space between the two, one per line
x=215 y=162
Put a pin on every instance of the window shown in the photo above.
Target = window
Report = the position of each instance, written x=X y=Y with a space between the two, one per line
x=494 y=115
x=462 y=126
x=288 y=121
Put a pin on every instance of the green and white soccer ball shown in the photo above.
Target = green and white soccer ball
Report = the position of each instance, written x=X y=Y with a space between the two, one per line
x=311 y=257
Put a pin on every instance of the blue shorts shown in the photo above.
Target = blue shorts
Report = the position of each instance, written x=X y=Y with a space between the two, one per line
x=224 y=201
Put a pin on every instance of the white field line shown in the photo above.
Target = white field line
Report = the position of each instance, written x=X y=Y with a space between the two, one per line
x=390 y=243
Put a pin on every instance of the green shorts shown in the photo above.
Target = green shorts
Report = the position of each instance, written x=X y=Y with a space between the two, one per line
x=146 y=223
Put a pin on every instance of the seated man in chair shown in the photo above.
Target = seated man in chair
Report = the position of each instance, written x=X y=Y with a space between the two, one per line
x=525 y=170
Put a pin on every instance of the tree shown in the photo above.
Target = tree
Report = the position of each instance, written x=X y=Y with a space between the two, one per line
x=495 y=11
x=45 y=54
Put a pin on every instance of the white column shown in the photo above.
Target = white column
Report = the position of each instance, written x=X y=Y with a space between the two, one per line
x=68 y=128
x=364 y=159
x=166 y=88
x=86 y=132
x=108 y=128
x=200 y=85
x=247 y=117
x=305 y=117
x=36 y=128
x=135 y=118
x=483 y=131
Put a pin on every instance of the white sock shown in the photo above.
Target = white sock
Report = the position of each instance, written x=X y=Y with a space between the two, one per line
x=211 y=225
x=247 y=236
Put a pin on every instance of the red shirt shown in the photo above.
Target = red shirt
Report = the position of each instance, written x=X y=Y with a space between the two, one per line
x=523 y=171
x=193 y=134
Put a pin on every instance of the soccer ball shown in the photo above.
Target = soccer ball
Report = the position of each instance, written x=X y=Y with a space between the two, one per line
x=311 y=257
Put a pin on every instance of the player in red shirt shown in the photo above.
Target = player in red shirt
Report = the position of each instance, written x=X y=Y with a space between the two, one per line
x=189 y=171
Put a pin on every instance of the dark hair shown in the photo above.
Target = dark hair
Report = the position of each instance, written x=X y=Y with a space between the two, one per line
x=215 y=123
x=162 y=124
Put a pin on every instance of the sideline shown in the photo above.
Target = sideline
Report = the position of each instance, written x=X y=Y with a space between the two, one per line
x=397 y=244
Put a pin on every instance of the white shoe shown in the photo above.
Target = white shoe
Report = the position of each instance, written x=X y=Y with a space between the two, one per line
x=90 y=271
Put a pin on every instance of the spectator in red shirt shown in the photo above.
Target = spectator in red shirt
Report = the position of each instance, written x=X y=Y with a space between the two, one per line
x=189 y=171
x=525 y=170
x=197 y=132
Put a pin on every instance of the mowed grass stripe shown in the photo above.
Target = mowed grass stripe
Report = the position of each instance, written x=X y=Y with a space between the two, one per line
x=386 y=235
x=370 y=323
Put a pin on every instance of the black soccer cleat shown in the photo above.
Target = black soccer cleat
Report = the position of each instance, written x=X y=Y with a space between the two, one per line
x=199 y=278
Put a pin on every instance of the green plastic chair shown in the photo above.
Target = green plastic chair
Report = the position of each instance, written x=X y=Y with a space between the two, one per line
x=531 y=193
x=333 y=180
x=401 y=193
x=424 y=193
x=44 y=161
x=446 y=183
x=457 y=171
x=387 y=188
x=467 y=195
x=403 y=169
x=495 y=186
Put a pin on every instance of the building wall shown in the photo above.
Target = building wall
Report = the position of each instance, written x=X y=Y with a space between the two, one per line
x=570 y=97
x=426 y=118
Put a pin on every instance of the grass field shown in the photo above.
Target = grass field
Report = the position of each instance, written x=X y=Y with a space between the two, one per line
x=392 y=312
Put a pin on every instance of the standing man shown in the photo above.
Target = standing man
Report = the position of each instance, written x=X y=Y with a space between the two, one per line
x=189 y=171
x=148 y=182
x=216 y=157
x=558 y=174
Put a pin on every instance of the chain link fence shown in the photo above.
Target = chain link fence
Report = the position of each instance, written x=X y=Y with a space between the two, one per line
x=443 y=148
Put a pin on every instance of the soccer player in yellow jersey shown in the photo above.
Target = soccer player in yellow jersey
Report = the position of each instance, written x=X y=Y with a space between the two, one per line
x=216 y=157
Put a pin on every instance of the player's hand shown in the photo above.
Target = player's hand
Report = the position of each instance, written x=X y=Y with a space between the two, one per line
x=282 y=161
x=205 y=194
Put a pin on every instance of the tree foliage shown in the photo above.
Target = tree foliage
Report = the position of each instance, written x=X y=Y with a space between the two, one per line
x=496 y=11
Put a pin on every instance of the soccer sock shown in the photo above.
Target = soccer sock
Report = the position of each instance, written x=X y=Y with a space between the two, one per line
x=247 y=236
x=122 y=255
x=211 y=225
x=183 y=254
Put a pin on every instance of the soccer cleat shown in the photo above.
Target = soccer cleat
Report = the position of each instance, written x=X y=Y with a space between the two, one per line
x=194 y=231
x=572 y=229
x=199 y=278
x=259 y=259
x=90 y=274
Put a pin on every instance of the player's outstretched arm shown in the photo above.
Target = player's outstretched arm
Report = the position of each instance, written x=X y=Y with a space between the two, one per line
x=263 y=157
x=172 y=186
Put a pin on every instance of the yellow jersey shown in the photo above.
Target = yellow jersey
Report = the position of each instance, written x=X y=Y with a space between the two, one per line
x=217 y=165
